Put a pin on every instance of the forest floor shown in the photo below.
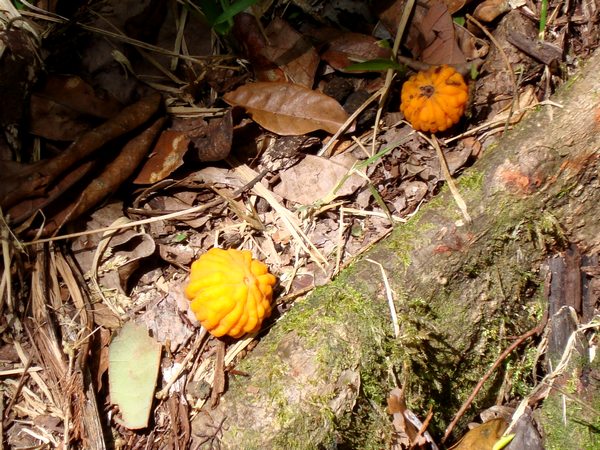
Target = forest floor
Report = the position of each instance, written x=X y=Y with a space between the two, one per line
x=139 y=135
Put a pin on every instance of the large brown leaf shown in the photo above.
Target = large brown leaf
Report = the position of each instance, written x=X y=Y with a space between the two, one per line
x=288 y=109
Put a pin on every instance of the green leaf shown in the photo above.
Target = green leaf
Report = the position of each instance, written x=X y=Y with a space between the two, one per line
x=234 y=9
x=503 y=442
x=375 y=65
x=460 y=20
x=211 y=10
x=133 y=359
x=180 y=237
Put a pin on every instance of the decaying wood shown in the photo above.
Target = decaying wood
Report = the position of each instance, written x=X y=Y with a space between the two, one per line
x=317 y=377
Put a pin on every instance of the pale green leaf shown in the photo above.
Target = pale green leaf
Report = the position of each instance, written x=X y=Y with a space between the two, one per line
x=134 y=358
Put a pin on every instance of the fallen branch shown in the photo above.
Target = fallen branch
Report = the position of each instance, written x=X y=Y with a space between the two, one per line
x=115 y=173
x=35 y=179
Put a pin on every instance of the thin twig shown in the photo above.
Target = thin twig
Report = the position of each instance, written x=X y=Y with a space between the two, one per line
x=389 y=75
x=460 y=202
x=325 y=151
x=422 y=429
x=198 y=344
x=173 y=215
x=390 y=298
x=202 y=60
x=534 y=331
x=20 y=385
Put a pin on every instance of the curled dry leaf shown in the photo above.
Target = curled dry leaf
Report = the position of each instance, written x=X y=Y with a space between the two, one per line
x=288 y=109
x=211 y=142
x=52 y=120
x=216 y=144
x=74 y=93
x=251 y=38
x=490 y=9
x=434 y=40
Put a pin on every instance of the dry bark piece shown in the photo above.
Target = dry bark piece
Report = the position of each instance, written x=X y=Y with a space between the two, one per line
x=288 y=109
x=544 y=52
x=34 y=180
x=115 y=173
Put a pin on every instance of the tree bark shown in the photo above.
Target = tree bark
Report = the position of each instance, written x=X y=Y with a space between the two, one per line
x=320 y=376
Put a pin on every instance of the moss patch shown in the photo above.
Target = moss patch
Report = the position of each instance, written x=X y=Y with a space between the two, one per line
x=571 y=416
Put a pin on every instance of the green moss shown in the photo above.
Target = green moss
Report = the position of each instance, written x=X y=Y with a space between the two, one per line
x=341 y=316
x=368 y=428
x=547 y=232
x=581 y=429
x=405 y=237
x=471 y=180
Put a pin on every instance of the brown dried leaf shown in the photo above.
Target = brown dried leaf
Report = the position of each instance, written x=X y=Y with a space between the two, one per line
x=211 y=142
x=137 y=249
x=350 y=48
x=437 y=33
x=250 y=36
x=470 y=45
x=393 y=12
x=74 y=93
x=54 y=121
x=314 y=178
x=490 y=9
x=291 y=52
x=165 y=158
x=163 y=318
x=288 y=109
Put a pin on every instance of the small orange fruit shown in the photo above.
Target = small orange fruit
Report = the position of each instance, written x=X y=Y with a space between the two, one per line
x=434 y=100
x=230 y=292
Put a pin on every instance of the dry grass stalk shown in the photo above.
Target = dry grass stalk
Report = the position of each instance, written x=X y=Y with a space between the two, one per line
x=289 y=219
